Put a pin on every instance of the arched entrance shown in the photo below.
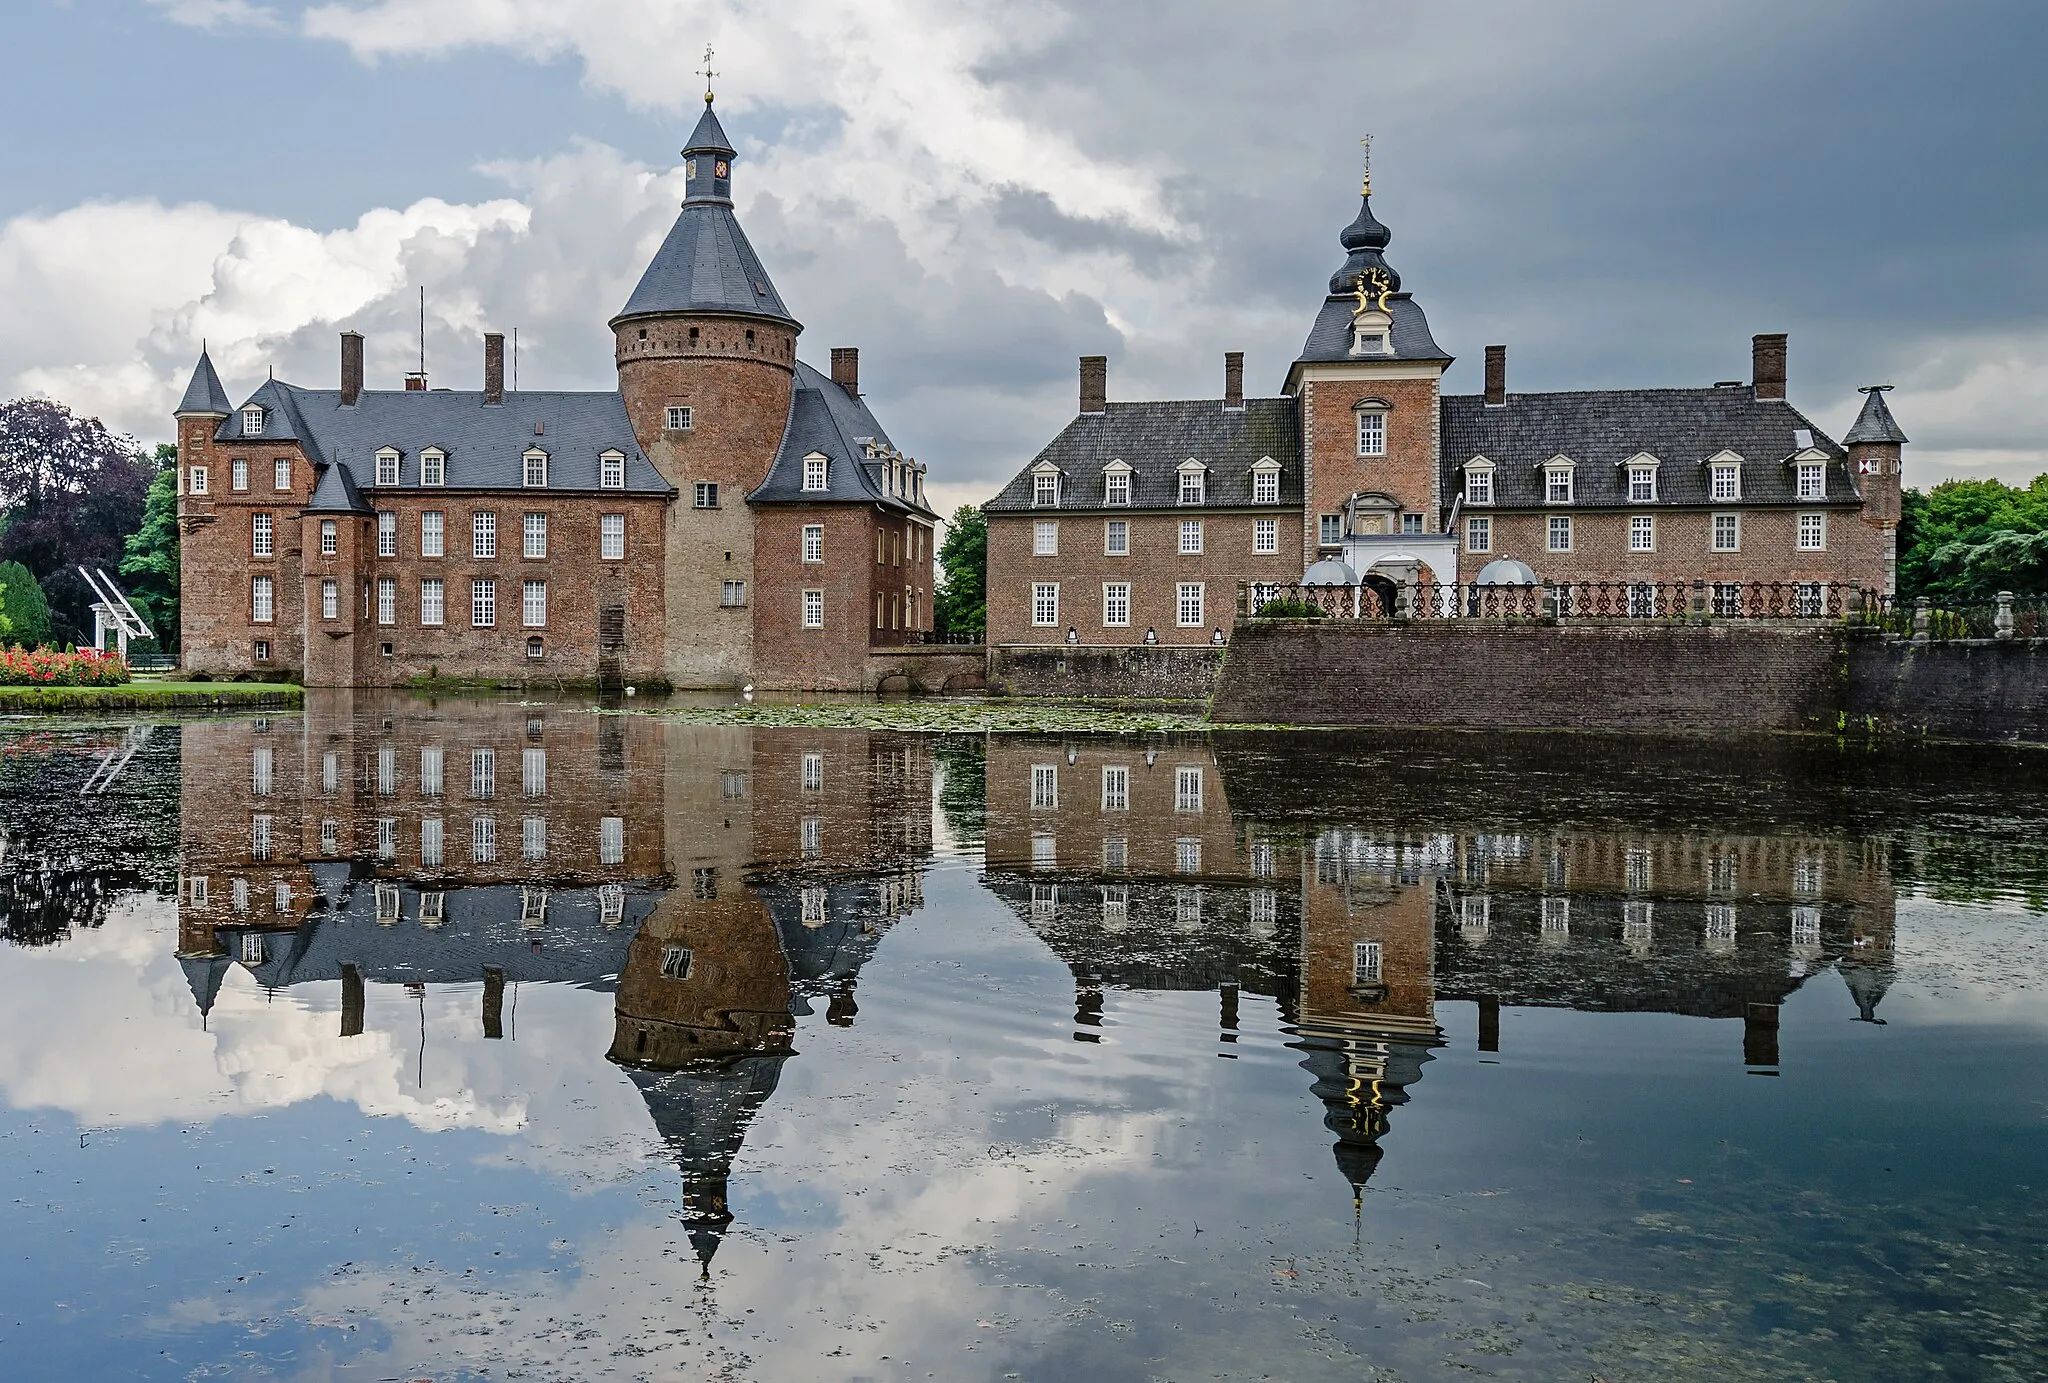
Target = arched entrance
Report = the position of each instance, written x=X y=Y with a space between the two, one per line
x=1383 y=590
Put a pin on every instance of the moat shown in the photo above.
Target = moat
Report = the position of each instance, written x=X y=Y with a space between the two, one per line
x=400 y=1039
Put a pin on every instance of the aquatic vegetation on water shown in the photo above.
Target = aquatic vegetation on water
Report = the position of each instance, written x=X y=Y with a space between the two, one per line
x=957 y=716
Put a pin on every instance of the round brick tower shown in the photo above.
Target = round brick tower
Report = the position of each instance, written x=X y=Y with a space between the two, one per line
x=706 y=354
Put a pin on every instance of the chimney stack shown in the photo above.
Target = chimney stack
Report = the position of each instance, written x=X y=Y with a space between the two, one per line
x=1094 y=383
x=1767 y=364
x=1233 y=379
x=846 y=369
x=494 y=367
x=1496 y=376
x=351 y=369
x=415 y=382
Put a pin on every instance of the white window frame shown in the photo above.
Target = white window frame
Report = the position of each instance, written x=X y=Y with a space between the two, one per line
x=1724 y=481
x=611 y=470
x=1372 y=432
x=252 y=421
x=483 y=602
x=1812 y=532
x=1559 y=524
x=433 y=602
x=611 y=537
x=1194 y=485
x=387 y=600
x=1045 y=538
x=813 y=608
x=533 y=469
x=1479 y=483
x=1365 y=962
x=1479 y=533
x=195 y=480
x=1265 y=535
x=1190 y=537
x=817 y=473
x=1728 y=524
x=732 y=595
x=1116 y=486
x=533 y=535
x=433 y=466
x=704 y=494
x=262 y=535
x=387 y=466
x=533 y=604
x=1045 y=787
x=262 y=600
x=281 y=473
x=387 y=533
x=1187 y=788
x=812 y=545
x=1560 y=483
x=1642 y=533
x=1045 y=604
x=1642 y=484
x=330 y=538
x=1116 y=538
x=1190 y=604
x=681 y=417
x=1116 y=605
x=433 y=533
x=1812 y=480
x=1045 y=489
x=1116 y=787
x=238 y=474
x=1265 y=484
x=1329 y=530
x=483 y=534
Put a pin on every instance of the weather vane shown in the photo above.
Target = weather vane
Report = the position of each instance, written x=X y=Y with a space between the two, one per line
x=1366 y=189
x=707 y=73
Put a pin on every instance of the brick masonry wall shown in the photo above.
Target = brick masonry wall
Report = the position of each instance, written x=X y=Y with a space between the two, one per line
x=1408 y=472
x=1855 y=550
x=218 y=631
x=1966 y=690
x=1154 y=569
x=1171 y=674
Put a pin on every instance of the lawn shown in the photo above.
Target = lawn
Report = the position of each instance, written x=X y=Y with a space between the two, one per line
x=147 y=694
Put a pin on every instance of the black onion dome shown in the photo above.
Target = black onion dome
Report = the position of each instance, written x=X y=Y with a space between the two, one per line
x=1363 y=240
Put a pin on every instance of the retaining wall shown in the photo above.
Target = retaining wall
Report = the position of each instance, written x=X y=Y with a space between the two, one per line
x=1976 y=689
x=1152 y=673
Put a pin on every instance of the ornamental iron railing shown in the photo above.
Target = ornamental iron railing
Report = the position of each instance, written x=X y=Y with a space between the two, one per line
x=2007 y=617
x=1559 y=600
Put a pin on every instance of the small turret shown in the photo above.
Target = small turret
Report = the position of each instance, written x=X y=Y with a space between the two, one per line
x=204 y=397
x=1876 y=463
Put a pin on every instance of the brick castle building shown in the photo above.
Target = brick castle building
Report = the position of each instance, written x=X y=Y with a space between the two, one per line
x=728 y=515
x=1139 y=521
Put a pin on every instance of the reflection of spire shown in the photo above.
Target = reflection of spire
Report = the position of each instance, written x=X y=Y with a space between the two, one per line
x=204 y=974
x=1867 y=984
x=702 y=1112
x=1360 y=1077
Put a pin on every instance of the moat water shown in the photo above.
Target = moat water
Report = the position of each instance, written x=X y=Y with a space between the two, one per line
x=402 y=1040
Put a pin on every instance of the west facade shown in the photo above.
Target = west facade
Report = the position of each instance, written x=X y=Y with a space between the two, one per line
x=727 y=516
x=1140 y=522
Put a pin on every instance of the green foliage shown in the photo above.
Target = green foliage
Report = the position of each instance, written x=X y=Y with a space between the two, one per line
x=72 y=492
x=23 y=607
x=960 y=605
x=1291 y=607
x=962 y=761
x=149 y=564
x=1966 y=540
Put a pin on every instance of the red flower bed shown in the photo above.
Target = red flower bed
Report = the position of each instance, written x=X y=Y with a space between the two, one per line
x=46 y=667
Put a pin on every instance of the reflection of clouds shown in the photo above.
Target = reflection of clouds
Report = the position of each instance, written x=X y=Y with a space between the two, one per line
x=1968 y=965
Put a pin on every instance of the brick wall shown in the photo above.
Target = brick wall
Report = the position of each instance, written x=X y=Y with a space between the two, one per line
x=218 y=632
x=1156 y=673
x=1855 y=551
x=1408 y=472
x=1965 y=690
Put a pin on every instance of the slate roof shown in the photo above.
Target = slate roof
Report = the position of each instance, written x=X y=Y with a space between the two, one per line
x=335 y=492
x=1330 y=338
x=1874 y=423
x=824 y=418
x=204 y=394
x=1154 y=439
x=485 y=444
x=1600 y=429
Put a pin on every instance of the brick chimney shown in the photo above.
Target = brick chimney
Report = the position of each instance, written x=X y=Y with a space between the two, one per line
x=494 y=367
x=351 y=369
x=1233 y=379
x=846 y=369
x=415 y=382
x=1094 y=383
x=1767 y=364
x=1496 y=376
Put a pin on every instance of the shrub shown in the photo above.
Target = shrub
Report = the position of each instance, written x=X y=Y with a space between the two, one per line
x=1291 y=607
x=45 y=667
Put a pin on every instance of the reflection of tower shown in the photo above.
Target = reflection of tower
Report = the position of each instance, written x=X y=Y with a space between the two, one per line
x=1360 y=1075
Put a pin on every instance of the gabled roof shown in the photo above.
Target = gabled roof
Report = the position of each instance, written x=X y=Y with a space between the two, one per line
x=335 y=492
x=1874 y=423
x=484 y=443
x=204 y=394
x=1602 y=429
x=825 y=420
x=1155 y=439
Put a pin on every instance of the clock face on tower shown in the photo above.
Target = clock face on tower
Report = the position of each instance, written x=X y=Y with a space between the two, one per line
x=719 y=170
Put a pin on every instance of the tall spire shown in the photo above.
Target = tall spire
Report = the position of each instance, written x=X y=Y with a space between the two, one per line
x=204 y=396
x=707 y=73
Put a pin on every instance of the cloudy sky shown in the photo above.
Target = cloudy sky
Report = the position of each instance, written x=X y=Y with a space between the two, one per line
x=977 y=191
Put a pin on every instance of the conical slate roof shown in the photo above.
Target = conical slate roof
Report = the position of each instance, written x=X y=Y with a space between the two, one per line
x=204 y=394
x=1874 y=423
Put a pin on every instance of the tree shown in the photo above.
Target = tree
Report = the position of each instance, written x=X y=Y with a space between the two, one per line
x=149 y=566
x=73 y=492
x=961 y=603
x=23 y=607
x=1966 y=540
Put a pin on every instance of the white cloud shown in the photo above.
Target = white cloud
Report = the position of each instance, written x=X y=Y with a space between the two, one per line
x=219 y=14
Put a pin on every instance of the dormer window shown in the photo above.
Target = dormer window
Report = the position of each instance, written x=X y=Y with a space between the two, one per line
x=816 y=471
x=536 y=471
x=1813 y=480
x=387 y=467
x=433 y=467
x=1642 y=482
x=1557 y=482
x=1193 y=482
x=1725 y=477
x=1372 y=333
x=611 y=470
x=1479 y=483
x=252 y=420
x=1116 y=483
x=1045 y=489
x=1372 y=428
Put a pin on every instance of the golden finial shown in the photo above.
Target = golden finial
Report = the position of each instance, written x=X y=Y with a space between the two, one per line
x=1365 y=189
x=707 y=74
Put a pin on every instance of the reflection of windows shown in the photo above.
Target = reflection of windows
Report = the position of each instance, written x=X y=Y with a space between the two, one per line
x=1720 y=873
x=533 y=906
x=387 y=837
x=611 y=904
x=430 y=842
x=387 y=770
x=195 y=888
x=811 y=836
x=1720 y=922
x=533 y=838
x=1116 y=906
x=1187 y=788
x=483 y=839
x=259 y=838
x=1044 y=898
x=387 y=903
x=1365 y=962
x=704 y=884
x=433 y=908
x=330 y=771
x=1556 y=868
x=814 y=906
x=813 y=772
x=1806 y=874
x=1638 y=869
x=1045 y=786
x=1114 y=852
x=1265 y=912
x=483 y=773
x=611 y=840
x=675 y=963
x=1475 y=913
x=1187 y=908
x=1806 y=926
x=1262 y=859
x=240 y=893
x=1116 y=787
x=533 y=772
x=1557 y=914
x=252 y=948
x=1635 y=920
x=1044 y=851
x=261 y=761
x=281 y=898
x=1187 y=855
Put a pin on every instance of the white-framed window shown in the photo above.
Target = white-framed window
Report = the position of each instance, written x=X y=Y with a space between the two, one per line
x=1557 y=485
x=387 y=533
x=1116 y=787
x=533 y=604
x=811 y=771
x=1372 y=433
x=680 y=417
x=1411 y=523
x=432 y=838
x=1265 y=919
x=1805 y=926
x=814 y=542
x=611 y=471
x=1813 y=480
x=387 y=467
x=483 y=772
x=1636 y=868
x=1725 y=598
x=1726 y=481
x=483 y=602
x=1557 y=915
x=1265 y=535
x=1045 y=787
x=611 y=537
x=732 y=595
x=1727 y=533
x=262 y=535
x=433 y=467
x=1187 y=788
x=611 y=840
x=1810 y=599
x=534 y=535
x=262 y=600
x=1187 y=604
x=1045 y=489
x=533 y=771
x=704 y=494
x=259 y=837
x=433 y=524
x=281 y=473
x=535 y=472
x=330 y=598
x=1642 y=484
x=483 y=839
x=1265 y=487
x=433 y=602
x=817 y=471
x=1808 y=874
x=1116 y=537
x=483 y=534
x=1187 y=856
x=1479 y=534
x=1187 y=902
x=1190 y=537
x=238 y=475
x=1116 y=487
x=387 y=600
x=1193 y=486
x=1365 y=962
x=1116 y=604
x=1329 y=529
x=1642 y=533
x=330 y=538
x=252 y=420
x=814 y=609
x=1560 y=533
x=1045 y=538
x=195 y=479
x=387 y=849
x=1045 y=604
x=1813 y=532
x=1479 y=485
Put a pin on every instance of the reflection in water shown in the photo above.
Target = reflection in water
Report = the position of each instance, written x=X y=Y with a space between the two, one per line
x=1394 y=912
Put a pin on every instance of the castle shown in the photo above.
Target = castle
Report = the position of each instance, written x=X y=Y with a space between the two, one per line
x=727 y=516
